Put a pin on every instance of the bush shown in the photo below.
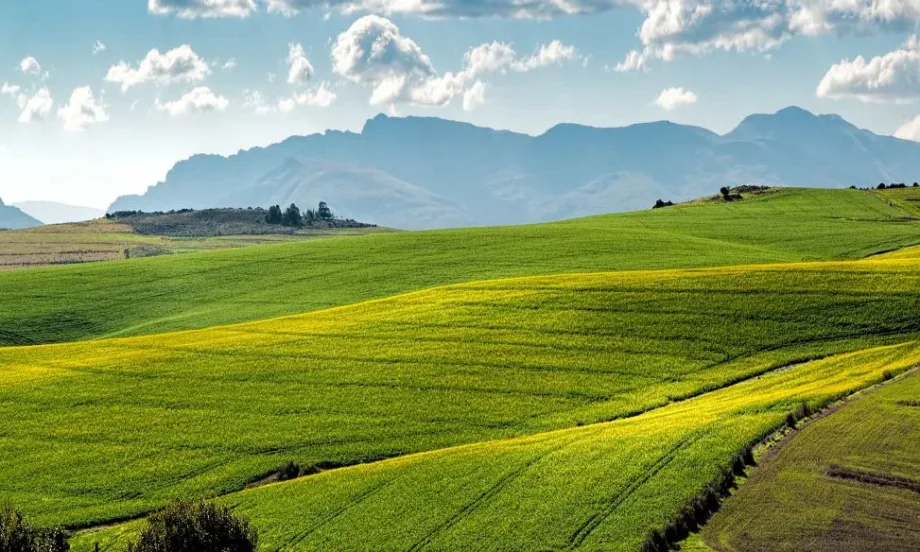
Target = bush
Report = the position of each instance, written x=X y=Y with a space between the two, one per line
x=724 y=191
x=196 y=527
x=16 y=535
x=660 y=203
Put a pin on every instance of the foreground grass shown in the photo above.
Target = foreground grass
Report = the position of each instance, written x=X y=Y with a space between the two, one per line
x=600 y=487
x=200 y=290
x=848 y=482
x=99 y=430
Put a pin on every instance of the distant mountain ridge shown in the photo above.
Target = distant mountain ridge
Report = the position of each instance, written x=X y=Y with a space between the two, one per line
x=426 y=172
x=11 y=218
x=53 y=212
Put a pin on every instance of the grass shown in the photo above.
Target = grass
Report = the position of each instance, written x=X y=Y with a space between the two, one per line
x=841 y=484
x=598 y=487
x=107 y=240
x=145 y=296
x=199 y=412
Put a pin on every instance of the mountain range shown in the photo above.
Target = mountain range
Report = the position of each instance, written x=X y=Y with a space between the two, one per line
x=53 y=212
x=12 y=218
x=426 y=172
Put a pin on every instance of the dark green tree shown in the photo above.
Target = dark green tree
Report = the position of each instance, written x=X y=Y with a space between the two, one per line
x=274 y=215
x=196 y=527
x=323 y=212
x=292 y=216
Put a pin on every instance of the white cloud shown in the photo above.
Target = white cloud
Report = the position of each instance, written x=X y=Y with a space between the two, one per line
x=229 y=65
x=910 y=130
x=475 y=96
x=373 y=52
x=672 y=98
x=893 y=77
x=98 y=47
x=553 y=53
x=320 y=97
x=179 y=65
x=634 y=61
x=488 y=58
x=192 y=9
x=37 y=107
x=253 y=99
x=299 y=69
x=82 y=110
x=30 y=66
x=200 y=99
x=11 y=90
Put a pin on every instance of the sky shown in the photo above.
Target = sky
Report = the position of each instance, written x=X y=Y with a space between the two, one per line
x=101 y=98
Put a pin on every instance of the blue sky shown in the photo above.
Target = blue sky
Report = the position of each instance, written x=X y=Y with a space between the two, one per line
x=82 y=124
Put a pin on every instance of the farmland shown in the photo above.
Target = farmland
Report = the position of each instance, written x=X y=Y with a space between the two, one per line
x=848 y=482
x=573 y=385
x=107 y=240
x=193 y=412
x=599 y=487
x=192 y=291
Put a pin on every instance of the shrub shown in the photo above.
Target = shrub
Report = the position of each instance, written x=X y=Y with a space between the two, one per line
x=289 y=471
x=196 y=527
x=724 y=191
x=660 y=203
x=16 y=535
x=881 y=186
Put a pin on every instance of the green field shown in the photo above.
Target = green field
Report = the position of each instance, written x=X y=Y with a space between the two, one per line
x=201 y=290
x=599 y=487
x=564 y=386
x=848 y=482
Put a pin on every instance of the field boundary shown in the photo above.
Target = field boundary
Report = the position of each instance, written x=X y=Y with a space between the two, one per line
x=775 y=441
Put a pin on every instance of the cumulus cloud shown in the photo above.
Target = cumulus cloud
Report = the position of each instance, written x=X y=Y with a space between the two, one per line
x=200 y=99
x=179 y=65
x=299 y=68
x=910 y=130
x=893 y=77
x=192 y=9
x=373 y=52
x=553 y=53
x=98 y=47
x=672 y=98
x=229 y=65
x=36 y=107
x=320 y=97
x=475 y=96
x=11 y=90
x=30 y=65
x=82 y=110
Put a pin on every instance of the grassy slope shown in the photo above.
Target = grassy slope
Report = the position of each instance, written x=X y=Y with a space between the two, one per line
x=599 y=487
x=201 y=290
x=192 y=413
x=107 y=240
x=791 y=503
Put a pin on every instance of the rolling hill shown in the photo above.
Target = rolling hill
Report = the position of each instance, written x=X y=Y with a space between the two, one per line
x=581 y=385
x=199 y=290
x=431 y=173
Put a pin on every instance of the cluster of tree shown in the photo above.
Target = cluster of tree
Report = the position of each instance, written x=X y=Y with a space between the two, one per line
x=660 y=203
x=293 y=217
x=893 y=185
x=16 y=535
x=183 y=526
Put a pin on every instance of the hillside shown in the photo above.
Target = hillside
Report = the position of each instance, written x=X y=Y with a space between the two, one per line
x=209 y=411
x=127 y=298
x=860 y=470
x=12 y=218
x=427 y=172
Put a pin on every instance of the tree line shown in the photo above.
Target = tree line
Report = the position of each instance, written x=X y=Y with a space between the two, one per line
x=294 y=218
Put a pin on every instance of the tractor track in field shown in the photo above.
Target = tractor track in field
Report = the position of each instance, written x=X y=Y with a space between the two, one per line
x=587 y=528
